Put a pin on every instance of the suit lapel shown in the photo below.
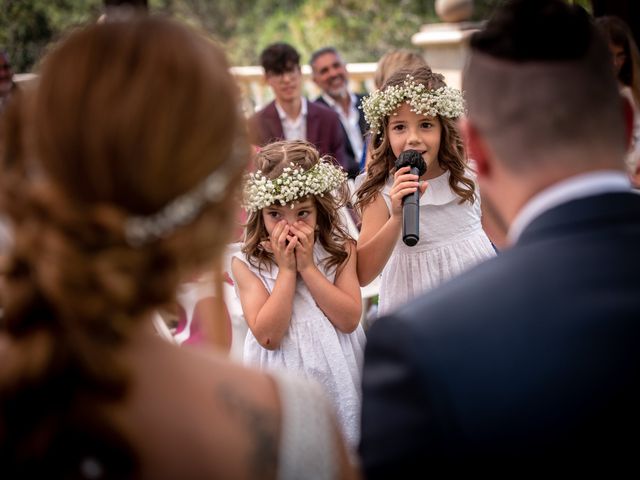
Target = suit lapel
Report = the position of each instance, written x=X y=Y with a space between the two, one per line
x=321 y=100
x=313 y=123
x=273 y=123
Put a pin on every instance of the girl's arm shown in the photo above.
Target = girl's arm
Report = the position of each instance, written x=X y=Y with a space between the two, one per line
x=267 y=316
x=380 y=230
x=340 y=301
x=378 y=236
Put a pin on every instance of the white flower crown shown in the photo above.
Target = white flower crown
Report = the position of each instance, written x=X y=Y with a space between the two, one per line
x=445 y=101
x=294 y=183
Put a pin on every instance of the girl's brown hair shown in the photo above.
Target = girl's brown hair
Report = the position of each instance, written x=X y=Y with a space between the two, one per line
x=400 y=59
x=451 y=156
x=126 y=116
x=331 y=232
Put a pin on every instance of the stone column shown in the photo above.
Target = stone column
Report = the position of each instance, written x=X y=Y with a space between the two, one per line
x=445 y=44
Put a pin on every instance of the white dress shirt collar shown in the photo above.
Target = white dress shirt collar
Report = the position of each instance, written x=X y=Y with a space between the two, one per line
x=294 y=128
x=579 y=186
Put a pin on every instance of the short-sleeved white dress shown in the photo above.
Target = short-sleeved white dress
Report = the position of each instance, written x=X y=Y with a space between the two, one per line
x=451 y=241
x=316 y=349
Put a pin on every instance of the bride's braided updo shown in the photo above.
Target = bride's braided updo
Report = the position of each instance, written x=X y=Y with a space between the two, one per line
x=126 y=116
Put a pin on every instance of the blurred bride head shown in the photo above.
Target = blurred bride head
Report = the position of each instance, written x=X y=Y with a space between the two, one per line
x=119 y=175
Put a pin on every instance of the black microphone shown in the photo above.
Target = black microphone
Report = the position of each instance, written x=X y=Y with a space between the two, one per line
x=411 y=202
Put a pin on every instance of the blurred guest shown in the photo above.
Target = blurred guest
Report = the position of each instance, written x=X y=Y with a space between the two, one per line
x=124 y=187
x=389 y=63
x=528 y=363
x=329 y=73
x=115 y=8
x=6 y=79
x=399 y=59
x=291 y=116
x=626 y=62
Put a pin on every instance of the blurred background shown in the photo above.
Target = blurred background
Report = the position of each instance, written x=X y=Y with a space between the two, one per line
x=362 y=29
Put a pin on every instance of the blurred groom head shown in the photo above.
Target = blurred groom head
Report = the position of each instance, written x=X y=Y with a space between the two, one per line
x=542 y=104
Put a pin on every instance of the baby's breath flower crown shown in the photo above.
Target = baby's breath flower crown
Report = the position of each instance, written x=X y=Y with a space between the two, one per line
x=294 y=183
x=444 y=101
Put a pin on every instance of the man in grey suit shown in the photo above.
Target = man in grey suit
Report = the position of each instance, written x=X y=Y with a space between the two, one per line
x=530 y=362
x=329 y=72
x=7 y=86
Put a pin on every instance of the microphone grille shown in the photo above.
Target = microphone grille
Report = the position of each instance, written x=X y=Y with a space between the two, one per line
x=412 y=158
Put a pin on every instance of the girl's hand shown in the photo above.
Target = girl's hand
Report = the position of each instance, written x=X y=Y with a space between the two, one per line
x=305 y=235
x=282 y=243
x=404 y=184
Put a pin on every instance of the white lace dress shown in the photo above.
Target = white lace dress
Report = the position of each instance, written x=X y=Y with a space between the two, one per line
x=307 y=446
x=316 y=349
x=451 y=240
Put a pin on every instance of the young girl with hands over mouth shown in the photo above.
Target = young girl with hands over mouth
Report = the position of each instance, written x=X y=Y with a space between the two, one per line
x=415 y=110
x=296 y=275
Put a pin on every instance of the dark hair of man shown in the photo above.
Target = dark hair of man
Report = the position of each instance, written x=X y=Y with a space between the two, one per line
x=279 y=58
x=322 y=51
x=537 y=81
x=133 y=3
x=509 y=36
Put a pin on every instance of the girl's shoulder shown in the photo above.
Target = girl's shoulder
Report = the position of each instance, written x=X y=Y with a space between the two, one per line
x=240 y=256
x=362 y=179
x=359 y=180
x=264 y=270
x=385 y=190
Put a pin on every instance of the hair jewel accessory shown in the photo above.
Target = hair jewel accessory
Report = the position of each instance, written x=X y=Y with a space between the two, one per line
x=444 y=101
x=292 y=184
x=144 y=229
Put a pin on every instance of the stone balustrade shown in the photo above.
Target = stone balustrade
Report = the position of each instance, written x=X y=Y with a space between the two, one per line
x=256 y=93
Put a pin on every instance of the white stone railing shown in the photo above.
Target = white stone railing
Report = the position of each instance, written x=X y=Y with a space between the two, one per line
x=23 y=77
x=256 y=93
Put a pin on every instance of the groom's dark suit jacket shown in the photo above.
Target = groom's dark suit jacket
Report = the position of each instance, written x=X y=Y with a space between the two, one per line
x=531 y=358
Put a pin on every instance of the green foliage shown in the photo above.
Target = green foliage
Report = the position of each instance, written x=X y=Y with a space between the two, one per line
x=362 y=30
x=482 y=9
x=27 y=26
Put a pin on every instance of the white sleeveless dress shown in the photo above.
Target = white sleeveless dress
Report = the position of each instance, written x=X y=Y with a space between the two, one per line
x=314 y=348
x=307 y=445
x=451 y=241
